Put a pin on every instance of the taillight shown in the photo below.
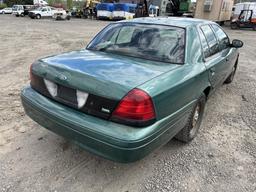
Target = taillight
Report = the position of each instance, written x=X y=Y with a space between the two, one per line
x=136 y=108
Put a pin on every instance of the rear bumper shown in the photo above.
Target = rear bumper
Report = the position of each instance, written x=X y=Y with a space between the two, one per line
x=108 y=139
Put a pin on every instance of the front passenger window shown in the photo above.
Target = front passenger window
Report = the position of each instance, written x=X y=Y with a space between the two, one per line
x=211 y=39
x=222 y=37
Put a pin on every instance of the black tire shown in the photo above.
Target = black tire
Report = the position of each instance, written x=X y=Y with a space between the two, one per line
x=68 y=17
x=38 y=16
x=3 y=12
x=234 y=26
x=189 y=132
x=17 y=15
x=254 y=27
x=22 y=15
x=232 y=75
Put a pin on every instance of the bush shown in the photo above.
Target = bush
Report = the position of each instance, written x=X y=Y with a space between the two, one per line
x=2 y=5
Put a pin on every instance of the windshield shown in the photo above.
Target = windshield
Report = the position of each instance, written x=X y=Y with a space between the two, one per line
x=14 y=7
x=152 y=42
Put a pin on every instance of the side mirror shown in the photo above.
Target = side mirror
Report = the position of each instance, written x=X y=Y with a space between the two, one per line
x=237 y=43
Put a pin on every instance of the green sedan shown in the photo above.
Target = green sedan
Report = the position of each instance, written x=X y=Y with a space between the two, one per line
x=138 y=84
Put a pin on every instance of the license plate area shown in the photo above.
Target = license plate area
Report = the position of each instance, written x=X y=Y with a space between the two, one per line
x=67 y=95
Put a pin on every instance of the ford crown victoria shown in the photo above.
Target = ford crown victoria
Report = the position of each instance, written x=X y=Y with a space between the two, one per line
x=138 y=84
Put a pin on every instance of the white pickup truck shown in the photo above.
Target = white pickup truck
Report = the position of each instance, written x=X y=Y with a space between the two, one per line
x=18 y=10
x=42 y=12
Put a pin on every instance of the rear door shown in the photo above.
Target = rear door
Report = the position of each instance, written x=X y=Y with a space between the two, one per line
x=215 y=62
x=49 y=12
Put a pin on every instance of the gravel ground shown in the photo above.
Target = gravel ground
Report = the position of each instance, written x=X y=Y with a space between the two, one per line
x=221 y=158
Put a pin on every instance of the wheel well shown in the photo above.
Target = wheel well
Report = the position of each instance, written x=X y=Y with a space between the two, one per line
x=207 y=91
x=236 y=61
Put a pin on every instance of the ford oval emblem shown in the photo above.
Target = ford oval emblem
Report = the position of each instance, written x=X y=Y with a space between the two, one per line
x=62 y=77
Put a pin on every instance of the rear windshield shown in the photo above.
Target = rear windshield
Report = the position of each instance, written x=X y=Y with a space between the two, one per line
x=152 y=42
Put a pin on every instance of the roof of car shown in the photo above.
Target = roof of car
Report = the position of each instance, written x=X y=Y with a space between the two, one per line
x=172 y=21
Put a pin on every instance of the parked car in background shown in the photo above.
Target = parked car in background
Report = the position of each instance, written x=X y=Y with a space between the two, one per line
x=42 y=12
x=18 y=10
x=138 y=84
x=61 y=15
x=7 y=10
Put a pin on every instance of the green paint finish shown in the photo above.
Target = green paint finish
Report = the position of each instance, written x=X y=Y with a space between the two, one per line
x=110 y=140
x=174 y=90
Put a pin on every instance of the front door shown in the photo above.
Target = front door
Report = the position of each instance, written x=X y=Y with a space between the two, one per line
x=44 y=12
x=216 y=61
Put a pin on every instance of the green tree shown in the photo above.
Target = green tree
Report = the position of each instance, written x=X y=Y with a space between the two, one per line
x=69 y=4
x=10 y=3
x=2 y=5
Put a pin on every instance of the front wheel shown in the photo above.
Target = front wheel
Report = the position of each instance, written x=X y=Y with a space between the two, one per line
x=38 y=16
x=231 y=76
x=192 y=126
x=234 y=26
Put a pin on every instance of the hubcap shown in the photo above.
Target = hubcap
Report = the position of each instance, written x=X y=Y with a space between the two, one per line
x=196 y=116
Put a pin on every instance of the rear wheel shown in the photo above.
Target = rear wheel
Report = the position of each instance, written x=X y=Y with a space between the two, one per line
x=191 y=128
x=3 y=12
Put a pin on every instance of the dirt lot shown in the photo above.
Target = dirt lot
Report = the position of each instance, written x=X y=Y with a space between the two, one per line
x=221 y=158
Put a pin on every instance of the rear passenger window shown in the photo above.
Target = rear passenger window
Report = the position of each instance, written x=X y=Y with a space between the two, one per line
x=222 y=37
x=211 y=39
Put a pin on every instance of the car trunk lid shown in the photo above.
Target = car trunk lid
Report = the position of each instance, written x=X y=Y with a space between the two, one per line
x=106 y=78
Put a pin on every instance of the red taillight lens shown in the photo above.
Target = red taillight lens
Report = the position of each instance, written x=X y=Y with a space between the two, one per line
x=136 y=106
